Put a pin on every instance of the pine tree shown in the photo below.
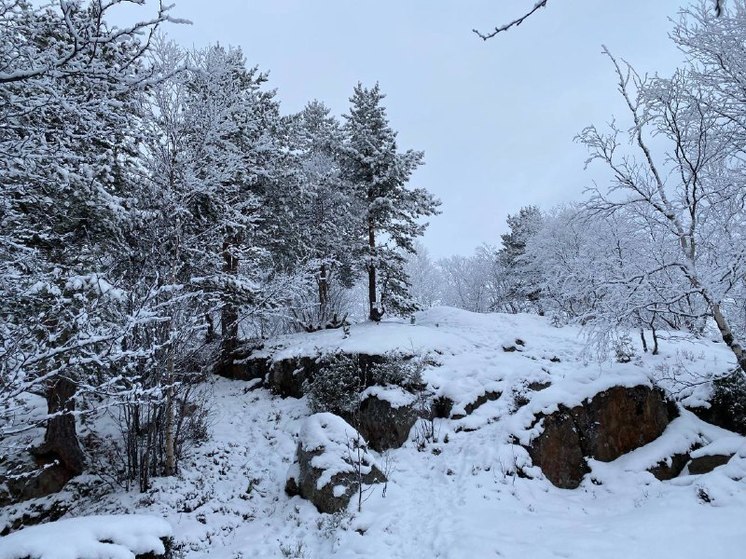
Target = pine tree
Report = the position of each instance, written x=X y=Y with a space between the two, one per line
x=70 y=89
x=379 y=173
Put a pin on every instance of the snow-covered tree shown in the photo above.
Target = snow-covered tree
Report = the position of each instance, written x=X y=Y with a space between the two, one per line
x=392 y=213
x=690 y=200
x=425 y=277
x=69 y=105
x=319 y=244
x=521 y=292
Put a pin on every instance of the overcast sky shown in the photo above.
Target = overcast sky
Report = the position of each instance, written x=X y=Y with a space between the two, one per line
x=495 y=119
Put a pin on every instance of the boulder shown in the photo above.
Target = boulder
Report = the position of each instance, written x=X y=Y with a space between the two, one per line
x=46 y=480
x=604 y=427
x=386 y=416
x=558 y=451
x=331 y=462
x=706 y=463
x=287 y=376
x=671 y=467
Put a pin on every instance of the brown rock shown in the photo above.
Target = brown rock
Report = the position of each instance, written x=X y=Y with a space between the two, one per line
x=665 y=471
x=382 y=425
x=619 y=420
x=610 y=424
x=558 y=450
x=705 y=464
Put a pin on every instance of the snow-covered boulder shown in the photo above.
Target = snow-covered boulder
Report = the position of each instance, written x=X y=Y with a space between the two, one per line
x=332 y=460
x=386 y=415
x=612 y=423
x=91 y=537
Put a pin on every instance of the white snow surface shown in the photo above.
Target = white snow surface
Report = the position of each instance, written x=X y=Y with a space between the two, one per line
x=88 y=537
x=458 y=495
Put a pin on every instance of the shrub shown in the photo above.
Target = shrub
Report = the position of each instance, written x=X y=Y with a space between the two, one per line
x=336 y=386
x=729 y=398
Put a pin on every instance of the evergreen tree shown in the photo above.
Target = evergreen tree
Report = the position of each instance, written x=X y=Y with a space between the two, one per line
x=522 y=291
x=70 y=88
x=391 y=214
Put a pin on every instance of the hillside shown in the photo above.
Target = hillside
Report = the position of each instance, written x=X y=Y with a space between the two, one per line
x=465 y=490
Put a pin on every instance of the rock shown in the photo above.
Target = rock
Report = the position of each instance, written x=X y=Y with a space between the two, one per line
x=671 y=468
x=287 y=376
x=482 y=399
x=332 y=459
x=244 y=363
x=610 y=424
x=49 y=478
x=705 y=464
x=383 y=424
x=619 y=420
x=558 y=450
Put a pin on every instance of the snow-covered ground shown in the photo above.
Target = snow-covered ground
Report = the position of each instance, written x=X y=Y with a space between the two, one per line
x=457 y=495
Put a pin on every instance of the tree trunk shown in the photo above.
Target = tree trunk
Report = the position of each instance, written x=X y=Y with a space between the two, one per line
x=376 y=312
x=229 y=312
x=169 y=441
x=644 y=341
x=61 y=439
x=728 y=338
x=323 y=289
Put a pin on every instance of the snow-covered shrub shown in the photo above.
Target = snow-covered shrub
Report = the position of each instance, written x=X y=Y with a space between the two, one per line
x=729 y=395
x=336 y=387
x=398 y=370
x=624 y=351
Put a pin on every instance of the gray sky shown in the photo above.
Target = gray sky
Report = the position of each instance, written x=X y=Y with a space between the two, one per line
x=496 y=120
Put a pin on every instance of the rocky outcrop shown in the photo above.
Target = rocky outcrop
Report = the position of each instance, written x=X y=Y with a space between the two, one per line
x=706 y=463
x=558 y=451
x=288 y=376
x=47 y=479
x=332 y=461
x=671 y=467
x=604 y=427
x=385 y=422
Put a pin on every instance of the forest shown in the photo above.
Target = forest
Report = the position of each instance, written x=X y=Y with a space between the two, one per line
x=168 y=232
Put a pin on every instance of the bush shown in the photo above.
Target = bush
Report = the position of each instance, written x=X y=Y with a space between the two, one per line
x=341 y=378
x=729 y=402
x=336 y=386
x=399 y=371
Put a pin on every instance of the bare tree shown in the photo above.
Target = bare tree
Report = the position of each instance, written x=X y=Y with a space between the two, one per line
x=485 y=35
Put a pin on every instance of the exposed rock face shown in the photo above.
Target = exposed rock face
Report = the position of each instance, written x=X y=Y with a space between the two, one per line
x=286 y=377
x=671 y=468
x=383 y=425
x=619 y=420
x=610 y=424
x=705 y=464
x=245 y=363
x=331 y=461
x=47 y=480
x=558 y=451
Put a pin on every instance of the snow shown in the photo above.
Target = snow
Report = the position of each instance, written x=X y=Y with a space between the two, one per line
x=338 y=443
x=88 y=537
x=396 y=396
x=459 y=495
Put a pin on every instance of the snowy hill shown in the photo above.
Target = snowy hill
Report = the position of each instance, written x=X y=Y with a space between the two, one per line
x=461 y=490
